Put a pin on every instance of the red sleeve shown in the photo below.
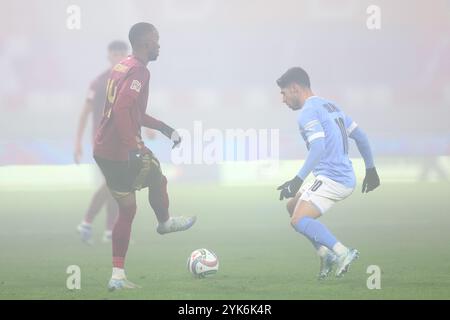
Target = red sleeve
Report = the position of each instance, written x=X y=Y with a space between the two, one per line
x=126 y=101
x=152 y=123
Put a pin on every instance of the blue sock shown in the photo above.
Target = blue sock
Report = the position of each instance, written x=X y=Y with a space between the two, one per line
x=316 y=232
x=314 y=243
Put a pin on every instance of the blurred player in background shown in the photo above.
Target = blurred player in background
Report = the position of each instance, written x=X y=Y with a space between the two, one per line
x=93 y=106
x=127 y=164
x=325 y=130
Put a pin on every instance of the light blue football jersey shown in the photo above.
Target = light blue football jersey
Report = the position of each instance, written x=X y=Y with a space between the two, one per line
x=320 y=118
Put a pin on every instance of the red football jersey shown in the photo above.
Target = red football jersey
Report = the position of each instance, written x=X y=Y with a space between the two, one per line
x=124 y=112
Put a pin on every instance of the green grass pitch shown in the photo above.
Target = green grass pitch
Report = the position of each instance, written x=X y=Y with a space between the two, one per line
x=402 y=227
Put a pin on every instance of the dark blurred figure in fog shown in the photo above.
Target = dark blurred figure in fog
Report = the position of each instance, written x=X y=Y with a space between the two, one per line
x=430 y=162
x=430 y=165
x=436 y=82
x=94 y=104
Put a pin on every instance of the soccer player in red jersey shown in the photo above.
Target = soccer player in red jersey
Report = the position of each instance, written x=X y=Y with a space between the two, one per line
x=127 y=164
x=94 y=104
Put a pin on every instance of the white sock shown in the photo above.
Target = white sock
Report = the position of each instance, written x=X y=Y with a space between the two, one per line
x=340 y=249
x=87 y=224
x=322 y=251
x=108 y=233
x=118 y=273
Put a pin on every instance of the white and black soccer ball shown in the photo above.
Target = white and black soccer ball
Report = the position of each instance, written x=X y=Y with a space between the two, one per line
x=202 y=263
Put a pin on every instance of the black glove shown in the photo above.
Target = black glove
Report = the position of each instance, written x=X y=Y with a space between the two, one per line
x=290 y=188
x=172 y=134
x=176 y=139
x=371 y=181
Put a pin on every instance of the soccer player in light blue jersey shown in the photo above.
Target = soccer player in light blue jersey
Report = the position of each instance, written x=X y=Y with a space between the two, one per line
x=325 y=128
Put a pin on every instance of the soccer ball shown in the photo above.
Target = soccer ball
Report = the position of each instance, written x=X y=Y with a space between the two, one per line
x=202 y=263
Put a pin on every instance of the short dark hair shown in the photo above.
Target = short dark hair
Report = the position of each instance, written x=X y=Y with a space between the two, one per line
x=118 y=45
x=138 y=30
x=294 y=75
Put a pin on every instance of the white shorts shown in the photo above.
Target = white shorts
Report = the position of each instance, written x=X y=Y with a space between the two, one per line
x=324 y=192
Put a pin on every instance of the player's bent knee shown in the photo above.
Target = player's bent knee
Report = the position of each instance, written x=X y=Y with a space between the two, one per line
x=295 y=220
x=300 y=224
x=300 y=211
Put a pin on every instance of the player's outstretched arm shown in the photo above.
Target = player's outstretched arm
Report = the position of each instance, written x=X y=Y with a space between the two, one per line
x=371 y=180
x=169 y=132
x=316 y=151
x=290 y=188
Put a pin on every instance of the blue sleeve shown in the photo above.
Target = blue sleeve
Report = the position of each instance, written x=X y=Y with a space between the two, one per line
x=316 y=150
x=310 y=126
x=350 y=125
x=363 y=145
x=312 y=132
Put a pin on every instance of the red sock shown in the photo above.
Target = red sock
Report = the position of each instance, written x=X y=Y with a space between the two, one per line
x=121 y=234
x=118 y=262
x=159 y=199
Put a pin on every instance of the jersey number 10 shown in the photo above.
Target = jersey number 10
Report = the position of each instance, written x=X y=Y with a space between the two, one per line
x=341 y=125
x=111 y=93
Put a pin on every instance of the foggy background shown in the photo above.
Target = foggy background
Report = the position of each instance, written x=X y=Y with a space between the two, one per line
x=218 y=63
